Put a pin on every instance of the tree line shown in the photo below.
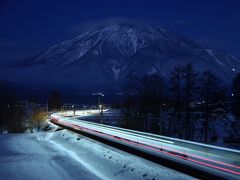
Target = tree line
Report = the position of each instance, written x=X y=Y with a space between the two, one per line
x=11 y=112
x=186 y=103
x=17 y=115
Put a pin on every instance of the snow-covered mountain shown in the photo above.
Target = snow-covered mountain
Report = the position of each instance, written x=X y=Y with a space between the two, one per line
x=106 y=55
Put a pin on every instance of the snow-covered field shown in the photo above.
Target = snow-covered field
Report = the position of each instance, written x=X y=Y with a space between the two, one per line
x=65 y=155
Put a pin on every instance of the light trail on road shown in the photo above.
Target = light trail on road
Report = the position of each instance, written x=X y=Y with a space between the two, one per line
x=210 y=159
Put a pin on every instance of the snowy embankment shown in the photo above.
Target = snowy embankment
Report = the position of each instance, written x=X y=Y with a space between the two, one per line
x=61 y=154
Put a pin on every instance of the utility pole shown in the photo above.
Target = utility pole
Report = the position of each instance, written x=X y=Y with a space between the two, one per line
x=73 y=109
x=101 y=113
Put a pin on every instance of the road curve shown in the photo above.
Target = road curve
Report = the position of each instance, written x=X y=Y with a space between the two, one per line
x=197 y=159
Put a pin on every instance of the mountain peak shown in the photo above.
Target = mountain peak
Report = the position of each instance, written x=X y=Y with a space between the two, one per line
x=124 y=38
x=108 y=53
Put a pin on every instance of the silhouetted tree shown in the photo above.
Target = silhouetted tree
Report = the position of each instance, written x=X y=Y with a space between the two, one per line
x=235 y=127
x=130 y=105
x=152 y=100
x=148 y=106
x=11 y=112
x=176 y=89
x=236 y=96
x=189 y=79
x=37 y=118
x=54 y=101
x=209 y=87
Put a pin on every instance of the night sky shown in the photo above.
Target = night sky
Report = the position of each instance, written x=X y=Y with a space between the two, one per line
x=30 y=26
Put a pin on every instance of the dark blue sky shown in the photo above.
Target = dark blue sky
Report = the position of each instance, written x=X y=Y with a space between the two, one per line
x=30 y=26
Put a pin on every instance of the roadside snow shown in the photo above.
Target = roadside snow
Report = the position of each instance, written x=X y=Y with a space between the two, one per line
x=61 y=154
x=23 y=157
x=107 y=162
x=81 y=161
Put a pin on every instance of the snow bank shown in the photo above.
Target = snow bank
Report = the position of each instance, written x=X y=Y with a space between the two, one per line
x=61 y=154
x=107 y=162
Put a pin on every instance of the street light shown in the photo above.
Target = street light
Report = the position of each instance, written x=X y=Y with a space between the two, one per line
x=99 y=104
x=101 y=113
